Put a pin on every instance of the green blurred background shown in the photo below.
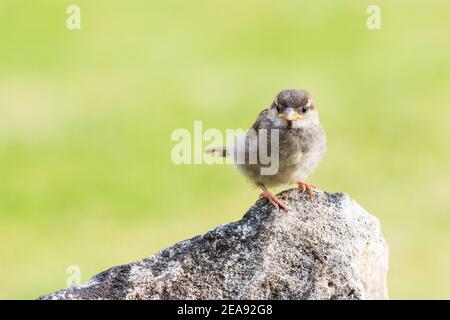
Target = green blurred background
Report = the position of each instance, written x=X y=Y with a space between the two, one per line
x=86 y=117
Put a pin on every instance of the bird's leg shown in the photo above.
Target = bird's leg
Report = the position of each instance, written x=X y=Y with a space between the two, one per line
x=273 y=199
x=303 y=186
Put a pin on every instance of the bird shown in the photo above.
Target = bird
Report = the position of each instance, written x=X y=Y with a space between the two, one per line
x=301 y=145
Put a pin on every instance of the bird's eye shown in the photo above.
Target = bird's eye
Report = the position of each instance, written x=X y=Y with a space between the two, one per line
x=304 y=110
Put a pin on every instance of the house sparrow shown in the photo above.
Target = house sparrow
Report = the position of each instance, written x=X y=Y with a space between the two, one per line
x=301 y=144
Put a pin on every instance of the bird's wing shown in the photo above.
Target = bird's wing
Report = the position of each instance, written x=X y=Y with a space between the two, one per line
x=262 y=116
x=225 y=151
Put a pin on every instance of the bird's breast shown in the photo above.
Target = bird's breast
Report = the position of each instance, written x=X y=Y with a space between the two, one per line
x=293 y=143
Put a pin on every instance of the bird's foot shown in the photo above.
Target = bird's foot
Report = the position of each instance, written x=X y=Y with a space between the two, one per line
x=276 y=201
x=303 y=186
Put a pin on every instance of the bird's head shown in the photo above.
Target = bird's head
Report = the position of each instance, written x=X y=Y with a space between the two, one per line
x=293 y=108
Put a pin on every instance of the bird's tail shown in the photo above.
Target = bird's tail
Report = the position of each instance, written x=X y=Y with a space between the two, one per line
x=218 y=151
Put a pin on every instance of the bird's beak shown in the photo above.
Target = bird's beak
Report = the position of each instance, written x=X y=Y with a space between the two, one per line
x=290 y=114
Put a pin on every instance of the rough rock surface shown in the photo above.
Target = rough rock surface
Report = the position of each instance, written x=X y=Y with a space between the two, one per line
x=327 y=248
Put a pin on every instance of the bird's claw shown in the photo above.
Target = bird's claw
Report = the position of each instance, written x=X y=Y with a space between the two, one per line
x=303 y=186
x=276 y=201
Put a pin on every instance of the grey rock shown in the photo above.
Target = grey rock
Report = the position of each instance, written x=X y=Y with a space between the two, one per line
x=326 y=248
